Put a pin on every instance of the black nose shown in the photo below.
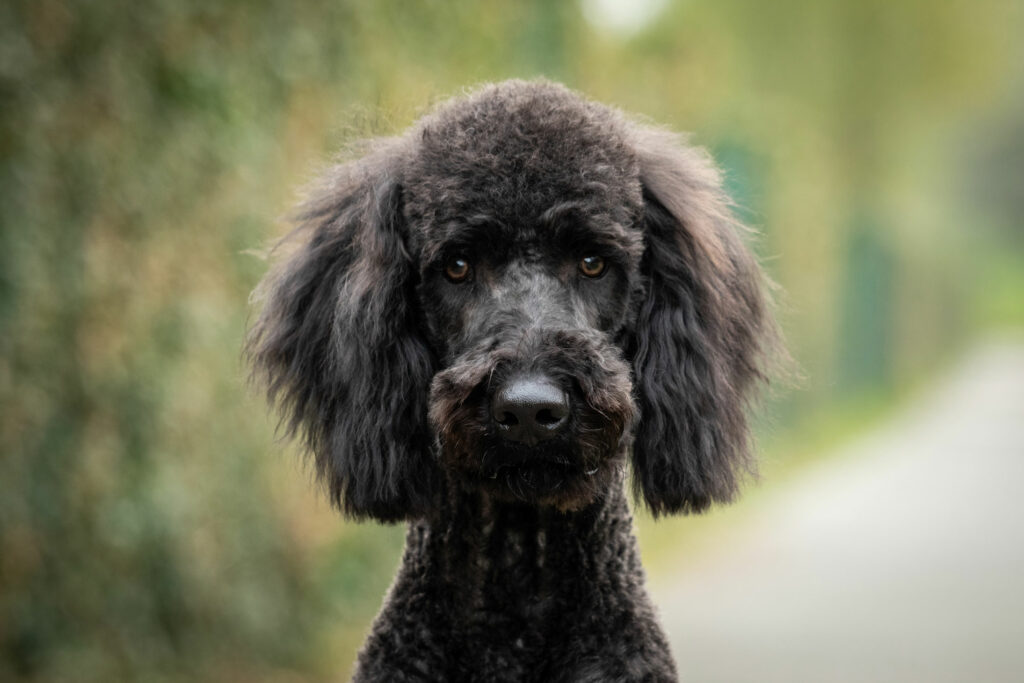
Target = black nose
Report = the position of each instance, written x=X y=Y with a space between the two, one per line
x=530 y=409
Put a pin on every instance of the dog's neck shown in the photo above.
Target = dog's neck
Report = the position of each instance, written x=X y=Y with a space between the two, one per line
x=525 y=593
x=511 y=557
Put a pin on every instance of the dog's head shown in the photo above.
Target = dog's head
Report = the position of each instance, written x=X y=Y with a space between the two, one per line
x=509 y=297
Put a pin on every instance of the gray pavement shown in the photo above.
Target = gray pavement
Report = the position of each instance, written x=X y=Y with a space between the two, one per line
x=900 y=558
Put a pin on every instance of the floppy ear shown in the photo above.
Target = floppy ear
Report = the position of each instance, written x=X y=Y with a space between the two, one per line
x=338 y=347
x=700 y=335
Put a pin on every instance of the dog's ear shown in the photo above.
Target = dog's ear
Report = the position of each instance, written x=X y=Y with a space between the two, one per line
x=338 y=347
x=701 y=333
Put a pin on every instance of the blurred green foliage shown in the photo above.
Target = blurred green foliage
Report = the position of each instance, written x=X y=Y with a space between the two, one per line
x=150 y=528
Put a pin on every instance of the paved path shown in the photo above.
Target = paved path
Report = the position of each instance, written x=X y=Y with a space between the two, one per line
x=899 y=559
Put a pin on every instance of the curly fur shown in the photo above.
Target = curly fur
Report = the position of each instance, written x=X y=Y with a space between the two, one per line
x=520 y=562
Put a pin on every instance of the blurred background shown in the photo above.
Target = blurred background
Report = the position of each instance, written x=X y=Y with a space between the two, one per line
x=151 y=529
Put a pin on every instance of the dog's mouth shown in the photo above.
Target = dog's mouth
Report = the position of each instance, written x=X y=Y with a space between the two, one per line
x=534 y=465
x=566 y=472
x=563 y=468
x=542 y=477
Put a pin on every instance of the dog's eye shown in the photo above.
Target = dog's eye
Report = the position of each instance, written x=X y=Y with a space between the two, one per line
x=592 y=266
x=457 y=269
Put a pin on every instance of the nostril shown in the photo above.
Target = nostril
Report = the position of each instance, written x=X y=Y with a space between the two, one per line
x=508 y=420
x=547 y=418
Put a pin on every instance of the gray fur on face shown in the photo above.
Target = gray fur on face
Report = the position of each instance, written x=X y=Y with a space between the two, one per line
x=450 y=263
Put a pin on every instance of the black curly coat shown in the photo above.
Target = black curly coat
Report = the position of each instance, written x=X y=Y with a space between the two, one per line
x=521 y=236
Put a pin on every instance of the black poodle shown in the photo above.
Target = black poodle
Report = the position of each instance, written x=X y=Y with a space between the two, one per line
x=481 y=322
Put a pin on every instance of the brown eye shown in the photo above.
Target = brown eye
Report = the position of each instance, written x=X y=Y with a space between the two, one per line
x=592 y=266
x=457 y=269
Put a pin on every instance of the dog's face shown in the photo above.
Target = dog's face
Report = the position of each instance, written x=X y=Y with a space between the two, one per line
x=528 y=285
x=504 y=299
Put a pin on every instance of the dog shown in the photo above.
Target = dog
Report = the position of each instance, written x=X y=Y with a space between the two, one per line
x=480 y=323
